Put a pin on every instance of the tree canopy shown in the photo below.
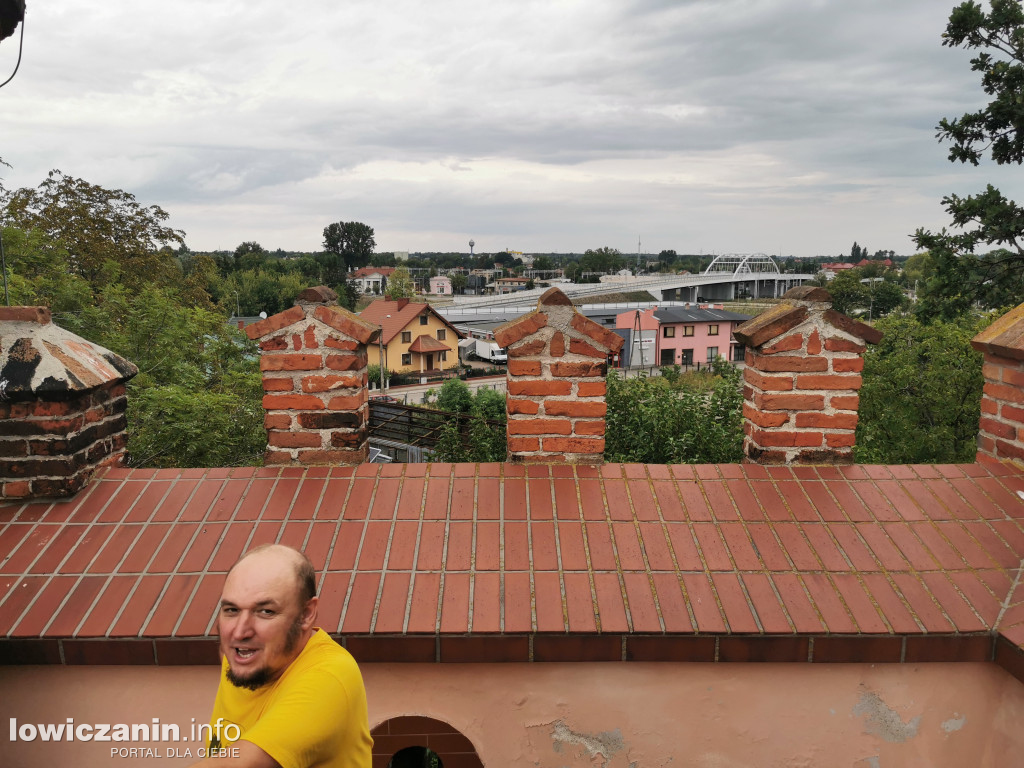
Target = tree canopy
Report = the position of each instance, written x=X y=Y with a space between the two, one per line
x=352 y=241
x=675 y=419
x=97 y=229
x=966 y=271
x=921 y=399
x=400 y=285
x=103 y=264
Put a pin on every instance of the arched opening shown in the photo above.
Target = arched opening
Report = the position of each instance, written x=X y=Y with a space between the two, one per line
x=417 y=742
x=416 y=757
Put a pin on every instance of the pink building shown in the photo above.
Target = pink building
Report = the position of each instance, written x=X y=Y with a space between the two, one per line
x=441 y=285
x=686 y=336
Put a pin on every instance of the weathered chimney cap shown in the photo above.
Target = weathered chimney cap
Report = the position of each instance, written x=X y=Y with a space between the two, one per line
x=319 y=294
x=40 y=358
x=1005 y=337
x=796 y=307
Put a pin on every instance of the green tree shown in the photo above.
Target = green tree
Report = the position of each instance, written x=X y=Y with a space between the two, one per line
x=649 y=421
x=95 y=257
x=601 y=260
x=459 y=281
x=400 y=285
x=965 y=273
x=475 y=432
x=96 y=227
x=876 y=297
x=250 y=255
x=919 y=268
x=455 y=397
x=352 y=241
x=373 y=374
x=848 y=293
x=920 y=402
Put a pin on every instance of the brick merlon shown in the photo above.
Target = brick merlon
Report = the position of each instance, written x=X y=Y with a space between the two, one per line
x=269 y=325
x=340 y=319
x=853 y=327
x=523 y=326
x=766 y=326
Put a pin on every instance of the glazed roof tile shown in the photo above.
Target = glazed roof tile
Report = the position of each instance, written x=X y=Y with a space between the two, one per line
x=737 y=553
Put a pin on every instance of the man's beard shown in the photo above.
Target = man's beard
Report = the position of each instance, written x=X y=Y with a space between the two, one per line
x=262 y=676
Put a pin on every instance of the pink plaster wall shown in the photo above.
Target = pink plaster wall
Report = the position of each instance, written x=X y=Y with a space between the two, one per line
x=614 y=715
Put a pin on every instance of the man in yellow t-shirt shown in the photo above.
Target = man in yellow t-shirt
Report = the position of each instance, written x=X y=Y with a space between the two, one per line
x=289 y=696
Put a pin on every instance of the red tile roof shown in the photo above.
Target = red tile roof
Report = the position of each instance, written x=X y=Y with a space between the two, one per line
x=732 y=562
x=367 y=271
x=425 y=343
x=395 y=316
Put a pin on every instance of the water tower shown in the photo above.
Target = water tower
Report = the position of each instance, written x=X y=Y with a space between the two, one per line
x=471 y=244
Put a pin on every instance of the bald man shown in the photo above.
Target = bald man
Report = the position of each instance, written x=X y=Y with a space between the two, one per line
x=289 y=695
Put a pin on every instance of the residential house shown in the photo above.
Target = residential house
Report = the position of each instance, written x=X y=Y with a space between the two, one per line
x=441 y=285
x=831 y=270
x=685 y=336
x=414 y=337
x=371 y=279
x=510 y=284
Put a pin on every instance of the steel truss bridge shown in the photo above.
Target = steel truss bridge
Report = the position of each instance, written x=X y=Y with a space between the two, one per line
x=728 y=277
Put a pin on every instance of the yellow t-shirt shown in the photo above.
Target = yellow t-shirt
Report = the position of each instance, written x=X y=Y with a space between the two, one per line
x=313 y=715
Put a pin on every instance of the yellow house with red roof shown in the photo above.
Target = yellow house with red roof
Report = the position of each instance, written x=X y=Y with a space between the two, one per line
x=414 y=337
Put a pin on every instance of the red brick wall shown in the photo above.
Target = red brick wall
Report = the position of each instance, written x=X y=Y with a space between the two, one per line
x=314 y=379
x=556 y=388
x=454 y=749
x=801 y=382
x=52 y=447
x=1001 y=431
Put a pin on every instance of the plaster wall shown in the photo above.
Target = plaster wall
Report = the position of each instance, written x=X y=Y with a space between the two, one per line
x=610 y=715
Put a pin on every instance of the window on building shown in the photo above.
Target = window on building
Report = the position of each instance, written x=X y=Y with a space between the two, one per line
x=712 y=330
x=443 y=356
x=668 y=332
x=406 y=337
x=407 y=358
x=687 y=330
x=441 y=334
x=424 y=319
x=712 y=354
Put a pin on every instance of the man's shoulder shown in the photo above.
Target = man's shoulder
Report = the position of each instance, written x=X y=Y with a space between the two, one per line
x=323 y=654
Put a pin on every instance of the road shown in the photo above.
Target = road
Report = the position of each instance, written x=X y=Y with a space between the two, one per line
x=414 y=394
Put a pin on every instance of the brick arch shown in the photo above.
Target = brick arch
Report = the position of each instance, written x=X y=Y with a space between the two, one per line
x=454 y=749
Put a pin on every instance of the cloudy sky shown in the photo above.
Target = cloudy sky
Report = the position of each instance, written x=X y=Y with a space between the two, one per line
x=724 y=126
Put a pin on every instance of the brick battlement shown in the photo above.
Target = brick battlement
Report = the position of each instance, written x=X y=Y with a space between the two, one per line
x=314 y=376
x=1001 y=433
x=62 y=406
x=557 y=361
x=804 y=363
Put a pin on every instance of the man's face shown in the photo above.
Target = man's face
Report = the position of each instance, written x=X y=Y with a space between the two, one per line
x=261 y=621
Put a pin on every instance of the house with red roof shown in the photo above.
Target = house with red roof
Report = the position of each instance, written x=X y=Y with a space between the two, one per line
x=371 y=279
x=414 y=337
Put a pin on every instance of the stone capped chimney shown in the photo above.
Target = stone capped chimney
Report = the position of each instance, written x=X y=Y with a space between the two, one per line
x=313 y=359
x=802 y=376
x=1001 y=431
x=62 y=406
x=557 y=361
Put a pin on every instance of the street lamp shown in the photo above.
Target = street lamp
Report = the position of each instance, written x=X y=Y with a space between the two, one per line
x=871 y=292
